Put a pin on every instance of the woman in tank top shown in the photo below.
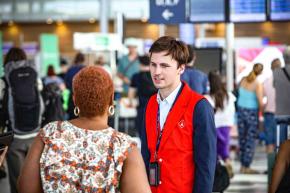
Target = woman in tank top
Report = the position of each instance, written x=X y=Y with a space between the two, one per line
x=249 y=104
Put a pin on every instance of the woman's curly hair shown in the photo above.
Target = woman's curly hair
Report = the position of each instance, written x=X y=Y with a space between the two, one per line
x=93 y=91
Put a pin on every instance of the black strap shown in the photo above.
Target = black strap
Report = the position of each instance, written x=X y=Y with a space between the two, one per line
x=129 y=65
x=4 y=118
x=286 y=74
x=159 y=133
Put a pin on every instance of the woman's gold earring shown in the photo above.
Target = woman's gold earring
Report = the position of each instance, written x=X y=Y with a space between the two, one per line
x=111 y=110
x=76 y=111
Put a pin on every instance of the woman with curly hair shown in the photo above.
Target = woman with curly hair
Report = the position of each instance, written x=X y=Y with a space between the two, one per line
x=85 y=154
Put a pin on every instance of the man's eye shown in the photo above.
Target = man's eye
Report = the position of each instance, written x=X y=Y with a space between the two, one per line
x=164 y=66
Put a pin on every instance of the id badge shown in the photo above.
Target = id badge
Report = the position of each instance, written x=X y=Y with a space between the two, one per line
x=154 y=174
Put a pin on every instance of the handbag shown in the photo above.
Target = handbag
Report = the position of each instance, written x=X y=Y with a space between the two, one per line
x=221 y=178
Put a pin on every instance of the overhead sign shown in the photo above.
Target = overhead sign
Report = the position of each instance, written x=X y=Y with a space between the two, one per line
x=96 y=42
x=49 y=52
x=167 y=11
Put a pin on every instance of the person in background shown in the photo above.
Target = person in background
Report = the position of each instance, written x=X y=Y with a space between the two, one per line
x=250 y=102
x=100 y=61
x=63 y=68
x=142 y=86
x=53 y=78
x=223 y=103
x=196 y=79
x=282 y=85
x=72 y=71
x=24 y=108
x=128 y=65
x=269 y=117
x=85 y=154
x=179 y=135
x=270 y=108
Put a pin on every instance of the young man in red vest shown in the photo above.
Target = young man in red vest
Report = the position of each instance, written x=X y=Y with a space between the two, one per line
x=179 y=138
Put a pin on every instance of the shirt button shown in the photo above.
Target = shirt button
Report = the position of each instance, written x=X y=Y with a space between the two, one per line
x=160 y=182
x=160 y=160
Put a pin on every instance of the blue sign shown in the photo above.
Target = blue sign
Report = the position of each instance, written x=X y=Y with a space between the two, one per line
x=167 y=11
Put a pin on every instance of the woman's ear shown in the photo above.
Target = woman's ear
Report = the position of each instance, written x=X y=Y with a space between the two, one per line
x=112 y=99
x=74 y=99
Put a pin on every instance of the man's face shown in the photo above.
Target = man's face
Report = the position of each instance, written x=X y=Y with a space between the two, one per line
x=164 y=71
x=132 y=49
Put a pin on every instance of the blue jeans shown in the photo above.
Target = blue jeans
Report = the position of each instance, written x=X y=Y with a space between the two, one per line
x=270 y=128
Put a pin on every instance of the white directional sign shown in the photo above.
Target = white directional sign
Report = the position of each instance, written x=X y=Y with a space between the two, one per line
x=167 y=11
x=166 y=14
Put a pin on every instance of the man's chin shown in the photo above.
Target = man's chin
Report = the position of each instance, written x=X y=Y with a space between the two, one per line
x=158 y=86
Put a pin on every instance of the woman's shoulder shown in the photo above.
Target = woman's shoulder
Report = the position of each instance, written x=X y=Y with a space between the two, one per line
x=232 y=97
x=123 y=139
x=122 y=135
x=48 y=129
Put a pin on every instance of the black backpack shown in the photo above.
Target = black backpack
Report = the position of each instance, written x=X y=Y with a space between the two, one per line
x=52 y=97
x=24 y=102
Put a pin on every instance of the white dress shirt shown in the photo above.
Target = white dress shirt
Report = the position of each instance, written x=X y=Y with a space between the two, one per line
x=165 y=104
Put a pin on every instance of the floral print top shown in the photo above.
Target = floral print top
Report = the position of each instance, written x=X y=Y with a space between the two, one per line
x=79 y=160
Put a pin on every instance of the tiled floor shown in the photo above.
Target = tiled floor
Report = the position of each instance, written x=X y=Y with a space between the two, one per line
x=242 y=183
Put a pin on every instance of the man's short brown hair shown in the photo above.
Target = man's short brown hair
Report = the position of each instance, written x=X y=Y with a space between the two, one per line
x=175 y=48
x=93 y=91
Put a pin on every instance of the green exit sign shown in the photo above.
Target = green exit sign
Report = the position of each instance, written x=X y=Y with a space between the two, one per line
x=102 y=40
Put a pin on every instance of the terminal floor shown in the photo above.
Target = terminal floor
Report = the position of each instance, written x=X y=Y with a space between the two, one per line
x=242 y=183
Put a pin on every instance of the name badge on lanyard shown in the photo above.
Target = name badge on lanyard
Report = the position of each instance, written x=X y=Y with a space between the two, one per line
x=154 y=167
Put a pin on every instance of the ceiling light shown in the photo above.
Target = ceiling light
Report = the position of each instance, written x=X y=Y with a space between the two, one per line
x=49 y=21
x=92 y=20
x=144 y=19
x=11 y=23
x=59 y=22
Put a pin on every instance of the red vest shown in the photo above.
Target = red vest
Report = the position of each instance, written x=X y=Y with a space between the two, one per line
x=176 y=153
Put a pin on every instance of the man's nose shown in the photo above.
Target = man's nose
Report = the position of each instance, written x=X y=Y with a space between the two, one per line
x=157 y=69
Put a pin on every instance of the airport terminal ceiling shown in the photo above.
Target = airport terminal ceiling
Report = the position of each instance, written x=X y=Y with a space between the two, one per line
x=69 y=10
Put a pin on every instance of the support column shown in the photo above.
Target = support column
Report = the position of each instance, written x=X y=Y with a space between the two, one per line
x=104 y=16
x=230 y=35
x=162 y=29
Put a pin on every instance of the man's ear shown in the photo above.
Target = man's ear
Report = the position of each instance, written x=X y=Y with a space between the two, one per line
x=181 y=68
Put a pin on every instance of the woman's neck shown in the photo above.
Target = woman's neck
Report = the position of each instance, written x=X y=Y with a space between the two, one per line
x=91 y=123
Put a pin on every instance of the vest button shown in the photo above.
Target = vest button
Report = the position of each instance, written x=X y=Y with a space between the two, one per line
x=160 y=182
x=160 y=160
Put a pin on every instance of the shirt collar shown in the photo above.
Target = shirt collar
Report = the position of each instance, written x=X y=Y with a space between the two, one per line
x=171 y=98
